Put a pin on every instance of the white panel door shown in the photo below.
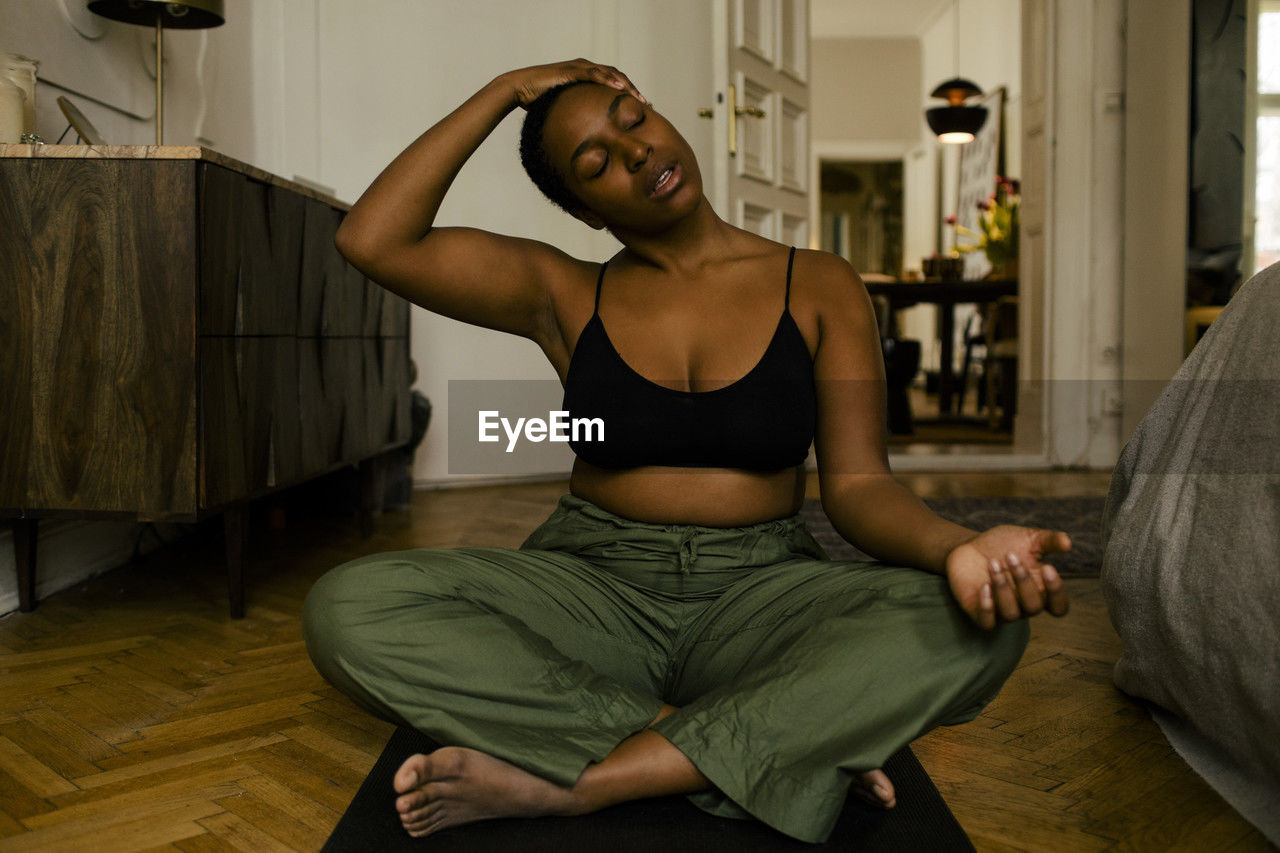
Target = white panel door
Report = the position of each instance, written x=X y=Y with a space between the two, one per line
x=761 y=50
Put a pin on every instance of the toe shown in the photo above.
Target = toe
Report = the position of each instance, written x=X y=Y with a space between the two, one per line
x=418 y=815
x=878 y=786
x=410 y=773
x=411 y=801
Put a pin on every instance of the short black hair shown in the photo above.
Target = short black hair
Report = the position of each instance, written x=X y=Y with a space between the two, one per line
x=533 y=155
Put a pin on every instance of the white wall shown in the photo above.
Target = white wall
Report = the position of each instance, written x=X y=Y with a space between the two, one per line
x=864 y=88
x=1155 y=197
x=1086 y=229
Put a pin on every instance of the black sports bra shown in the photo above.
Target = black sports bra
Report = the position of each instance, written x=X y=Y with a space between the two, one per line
x=763 y=422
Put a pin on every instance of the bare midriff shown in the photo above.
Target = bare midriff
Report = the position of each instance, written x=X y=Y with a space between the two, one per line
x=709 y=497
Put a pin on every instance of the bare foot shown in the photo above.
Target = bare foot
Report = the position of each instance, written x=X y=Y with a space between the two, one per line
x=455 y=785
x=867 y=785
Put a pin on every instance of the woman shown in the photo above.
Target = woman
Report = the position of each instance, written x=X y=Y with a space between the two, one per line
x=671 y=627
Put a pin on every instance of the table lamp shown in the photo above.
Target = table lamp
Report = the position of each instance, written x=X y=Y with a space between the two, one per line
x=185 y=15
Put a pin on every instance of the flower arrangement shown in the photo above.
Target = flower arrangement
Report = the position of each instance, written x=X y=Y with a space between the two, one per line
x=997 y=223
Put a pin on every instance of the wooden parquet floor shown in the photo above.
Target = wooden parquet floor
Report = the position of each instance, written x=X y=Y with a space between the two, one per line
x=135 y=715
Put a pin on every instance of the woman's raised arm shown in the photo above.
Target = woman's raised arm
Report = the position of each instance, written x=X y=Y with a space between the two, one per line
x=465 y=273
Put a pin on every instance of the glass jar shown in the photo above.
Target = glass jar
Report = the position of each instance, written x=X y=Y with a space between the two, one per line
x=21 y=72
x=11 y=103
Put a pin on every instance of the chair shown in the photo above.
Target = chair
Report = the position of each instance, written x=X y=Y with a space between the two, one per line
x=1000 y=364
x=901 y=363
x=975 y=335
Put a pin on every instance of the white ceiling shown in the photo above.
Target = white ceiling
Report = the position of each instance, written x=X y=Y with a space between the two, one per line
x=873 y=18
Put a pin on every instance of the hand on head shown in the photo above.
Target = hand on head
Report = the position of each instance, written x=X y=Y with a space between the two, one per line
x=533 y=81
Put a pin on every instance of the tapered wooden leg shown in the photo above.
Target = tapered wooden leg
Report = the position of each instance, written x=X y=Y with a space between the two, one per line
x=235 y=521
x=25 y=535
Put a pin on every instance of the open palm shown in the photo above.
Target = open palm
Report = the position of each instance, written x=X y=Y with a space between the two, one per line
x=999 y=574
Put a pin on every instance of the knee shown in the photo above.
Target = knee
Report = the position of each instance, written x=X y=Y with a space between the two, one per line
x=342 y=610
x=348 y=611
x=1005 y=649
x=993 y=656
x=327 y=614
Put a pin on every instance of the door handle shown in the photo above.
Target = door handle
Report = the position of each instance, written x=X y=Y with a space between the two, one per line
x=734 y=112
x=733 y=120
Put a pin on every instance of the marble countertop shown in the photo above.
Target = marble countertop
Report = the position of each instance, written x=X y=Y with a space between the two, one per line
x=165 y=152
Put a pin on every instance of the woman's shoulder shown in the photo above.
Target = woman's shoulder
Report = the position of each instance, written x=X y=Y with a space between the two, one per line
x=823 y=281
x=827 y=270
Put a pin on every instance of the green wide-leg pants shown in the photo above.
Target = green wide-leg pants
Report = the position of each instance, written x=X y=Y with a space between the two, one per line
x=792 y=672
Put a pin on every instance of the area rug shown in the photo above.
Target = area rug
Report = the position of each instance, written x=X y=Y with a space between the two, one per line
x=1080 y=517
x=919 y=821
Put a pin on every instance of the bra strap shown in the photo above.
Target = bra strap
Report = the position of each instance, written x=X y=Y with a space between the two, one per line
x=599 y=282
x=791 y=259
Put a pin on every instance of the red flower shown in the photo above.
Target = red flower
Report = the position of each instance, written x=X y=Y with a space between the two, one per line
x=951 y=220
x=984 y=205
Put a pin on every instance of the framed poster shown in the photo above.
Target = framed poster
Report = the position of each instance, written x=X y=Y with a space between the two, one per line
x=980 y=161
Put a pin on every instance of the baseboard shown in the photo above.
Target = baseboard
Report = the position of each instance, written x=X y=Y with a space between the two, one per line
x=457 y=482
x=70 y=551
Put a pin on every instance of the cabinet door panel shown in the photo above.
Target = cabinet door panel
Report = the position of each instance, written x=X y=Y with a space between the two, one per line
x=322 y=266
x=386 y=393
x=100 y=261
x=249 y=416
x=395 y=316
x=330 y=399
x=251 y=234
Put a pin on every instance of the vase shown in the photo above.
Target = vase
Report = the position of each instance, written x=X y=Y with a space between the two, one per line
x=1007 y=269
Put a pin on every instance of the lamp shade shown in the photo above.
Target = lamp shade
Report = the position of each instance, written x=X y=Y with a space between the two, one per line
x=185 y=15
x=956 y=124
x=956 y=90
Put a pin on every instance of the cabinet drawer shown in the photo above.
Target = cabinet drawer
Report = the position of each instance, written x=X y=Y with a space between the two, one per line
x=249 y=421
x=251 y=260
x=97 y=318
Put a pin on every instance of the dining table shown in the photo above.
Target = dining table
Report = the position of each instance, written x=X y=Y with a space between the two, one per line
x=946 y=294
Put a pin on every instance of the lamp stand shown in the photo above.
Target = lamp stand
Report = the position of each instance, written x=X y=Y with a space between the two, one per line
x=159 y=81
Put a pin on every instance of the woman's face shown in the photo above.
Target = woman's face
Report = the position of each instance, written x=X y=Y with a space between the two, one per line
x=626 y=163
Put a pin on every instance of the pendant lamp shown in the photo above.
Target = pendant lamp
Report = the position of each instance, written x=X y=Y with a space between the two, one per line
x=956 y=122
x=186 y=15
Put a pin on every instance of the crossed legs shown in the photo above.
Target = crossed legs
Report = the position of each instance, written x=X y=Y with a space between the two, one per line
x=453 y=642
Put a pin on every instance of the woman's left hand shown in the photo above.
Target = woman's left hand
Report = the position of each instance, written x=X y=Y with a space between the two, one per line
x=998 y=574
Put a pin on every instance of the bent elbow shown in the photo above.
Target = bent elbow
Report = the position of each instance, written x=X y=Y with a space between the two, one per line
x=344 y=242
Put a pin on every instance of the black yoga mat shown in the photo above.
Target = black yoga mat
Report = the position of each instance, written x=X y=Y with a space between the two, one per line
x=920 y=821
x=1080 y=517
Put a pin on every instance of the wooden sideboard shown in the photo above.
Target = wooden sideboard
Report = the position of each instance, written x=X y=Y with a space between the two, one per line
x=180 y=337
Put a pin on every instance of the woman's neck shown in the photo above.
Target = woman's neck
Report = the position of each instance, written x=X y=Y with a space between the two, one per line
x=699 y=239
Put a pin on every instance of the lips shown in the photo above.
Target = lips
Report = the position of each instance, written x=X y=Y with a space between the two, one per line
x=664 y=178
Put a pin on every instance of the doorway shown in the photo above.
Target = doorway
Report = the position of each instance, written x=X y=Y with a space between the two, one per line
x=861 y=213
x=886 y=186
